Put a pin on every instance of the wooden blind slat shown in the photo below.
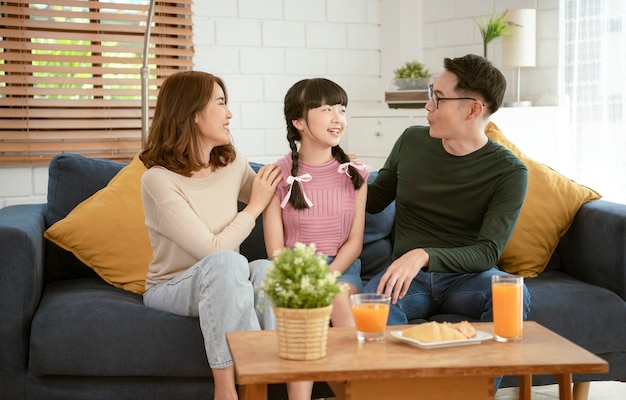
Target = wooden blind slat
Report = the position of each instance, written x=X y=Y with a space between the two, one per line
x=70 y=74
x=119 y=48
x=159 y=36
x=93 y=71
x=58 y=135
x=73 y=146
x=15 y=102
x=59 y=123
x=66 y=113
x=93 y=27
x=31 y=158
x=86 y=61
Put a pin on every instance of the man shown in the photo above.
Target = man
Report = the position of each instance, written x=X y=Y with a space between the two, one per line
x=458 y=197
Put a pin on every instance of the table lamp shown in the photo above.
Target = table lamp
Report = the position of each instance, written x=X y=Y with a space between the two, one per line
x=519 y=49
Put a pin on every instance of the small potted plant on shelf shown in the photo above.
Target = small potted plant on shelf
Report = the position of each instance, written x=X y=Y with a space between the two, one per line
x=412 y=75
x=302 y=289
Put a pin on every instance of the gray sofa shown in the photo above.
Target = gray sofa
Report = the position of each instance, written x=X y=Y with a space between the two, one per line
x=66 y=334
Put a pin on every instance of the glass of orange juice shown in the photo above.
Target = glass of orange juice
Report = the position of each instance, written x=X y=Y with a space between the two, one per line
x=370 y=311
x=507 y=292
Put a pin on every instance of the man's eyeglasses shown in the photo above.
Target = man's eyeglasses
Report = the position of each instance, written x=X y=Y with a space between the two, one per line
x=436 y=99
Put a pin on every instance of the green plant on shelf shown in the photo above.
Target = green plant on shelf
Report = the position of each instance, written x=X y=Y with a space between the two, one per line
x=412 y=75
x=495 y=26
x=412 y=69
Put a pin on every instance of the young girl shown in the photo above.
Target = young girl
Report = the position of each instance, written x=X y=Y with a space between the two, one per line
x=322 y=200
x=190 y=194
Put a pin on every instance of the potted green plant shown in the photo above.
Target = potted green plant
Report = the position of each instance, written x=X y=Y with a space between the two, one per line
x=302 y=289
x=412 y=75
x=495 y=26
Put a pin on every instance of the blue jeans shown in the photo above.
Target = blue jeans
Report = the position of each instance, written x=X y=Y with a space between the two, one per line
x=432 y=293
x=220 y=291
x=352 y=275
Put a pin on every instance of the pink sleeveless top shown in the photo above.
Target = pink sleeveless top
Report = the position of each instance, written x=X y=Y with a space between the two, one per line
x=327 y=222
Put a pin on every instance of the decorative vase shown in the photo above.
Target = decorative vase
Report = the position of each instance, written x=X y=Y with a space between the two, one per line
x=302 y=332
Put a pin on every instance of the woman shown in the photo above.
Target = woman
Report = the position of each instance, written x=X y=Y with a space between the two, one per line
x=195 y=178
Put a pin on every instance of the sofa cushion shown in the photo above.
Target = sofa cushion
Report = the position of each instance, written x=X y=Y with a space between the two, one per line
x=253 y=247
x=551 y=203
x=379 y=225
x=578 y=311
x=85 y=327
x=107 y=231
x=375 y=257
x=72 y=179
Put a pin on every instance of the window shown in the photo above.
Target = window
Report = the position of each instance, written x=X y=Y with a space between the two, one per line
x=595 y=83
x=70 y=74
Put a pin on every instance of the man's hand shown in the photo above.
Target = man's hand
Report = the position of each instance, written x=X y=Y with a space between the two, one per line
x=396 y=280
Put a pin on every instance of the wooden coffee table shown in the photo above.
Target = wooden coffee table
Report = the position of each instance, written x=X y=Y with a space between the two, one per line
x=393 y=369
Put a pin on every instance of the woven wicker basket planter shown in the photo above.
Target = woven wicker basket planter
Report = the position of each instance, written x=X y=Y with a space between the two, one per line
x=302 y=332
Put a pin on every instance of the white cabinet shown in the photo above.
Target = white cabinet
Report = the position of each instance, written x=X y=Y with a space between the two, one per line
x=372 y=133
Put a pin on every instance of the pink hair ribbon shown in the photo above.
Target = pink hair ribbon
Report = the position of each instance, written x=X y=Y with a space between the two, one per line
x=300 y=179
x=343 y=168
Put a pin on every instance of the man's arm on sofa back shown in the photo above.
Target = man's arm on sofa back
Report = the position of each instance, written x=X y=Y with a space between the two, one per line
x=21 y=283
x=594 y=248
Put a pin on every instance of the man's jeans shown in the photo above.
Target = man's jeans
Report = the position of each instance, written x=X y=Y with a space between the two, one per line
x=432 y=293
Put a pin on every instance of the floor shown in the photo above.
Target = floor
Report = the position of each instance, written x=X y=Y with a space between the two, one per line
x=597 y=391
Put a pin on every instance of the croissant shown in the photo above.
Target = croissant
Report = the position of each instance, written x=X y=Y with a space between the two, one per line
x=438 y=332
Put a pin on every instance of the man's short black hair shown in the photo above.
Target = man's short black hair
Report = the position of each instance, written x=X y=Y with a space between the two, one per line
x=478 y=76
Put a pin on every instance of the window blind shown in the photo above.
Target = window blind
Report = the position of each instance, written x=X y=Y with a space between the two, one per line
x=70 y=74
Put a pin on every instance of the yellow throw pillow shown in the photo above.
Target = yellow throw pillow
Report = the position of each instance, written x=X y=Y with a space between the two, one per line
x=551 y=203
x=108 y=233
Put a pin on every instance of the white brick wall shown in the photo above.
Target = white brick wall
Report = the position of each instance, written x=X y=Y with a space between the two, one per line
x=23 y=185
x=450 y=31
x=260 y=48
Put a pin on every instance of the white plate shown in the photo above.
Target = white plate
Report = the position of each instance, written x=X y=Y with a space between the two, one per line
x=480 y=336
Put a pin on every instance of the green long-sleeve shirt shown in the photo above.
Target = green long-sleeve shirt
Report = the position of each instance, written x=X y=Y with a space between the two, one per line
x=461 y=210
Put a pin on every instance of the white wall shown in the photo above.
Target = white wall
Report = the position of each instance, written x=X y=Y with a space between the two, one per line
x=450 y=30
x=261 y=48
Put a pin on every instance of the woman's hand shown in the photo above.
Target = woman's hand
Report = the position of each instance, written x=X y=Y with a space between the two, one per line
x=263 y=188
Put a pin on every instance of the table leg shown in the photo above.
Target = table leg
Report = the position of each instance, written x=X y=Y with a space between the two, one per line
x=253 y=392
x=565 y=386
x=581 y=390
x=525 y=387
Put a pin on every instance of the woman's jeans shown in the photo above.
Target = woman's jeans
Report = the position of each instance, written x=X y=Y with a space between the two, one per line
x=224 y=291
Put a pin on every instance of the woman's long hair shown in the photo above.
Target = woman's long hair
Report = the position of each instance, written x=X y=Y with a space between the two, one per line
x=173 y=139
x=300 y=98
